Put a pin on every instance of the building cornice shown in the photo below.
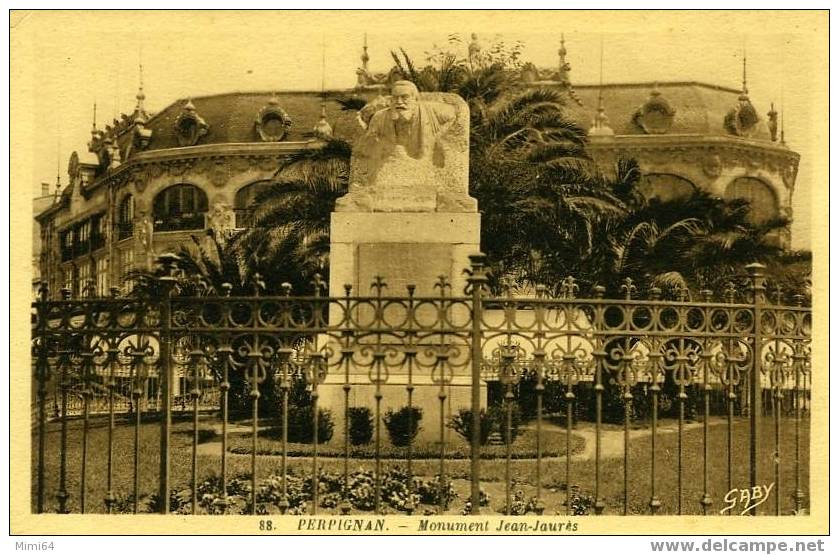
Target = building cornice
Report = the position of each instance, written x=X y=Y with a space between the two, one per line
x=675 y=142
x=706 y=152
x=177 y=161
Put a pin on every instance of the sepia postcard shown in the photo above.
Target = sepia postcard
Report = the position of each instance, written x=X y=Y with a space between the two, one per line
x=419 y=272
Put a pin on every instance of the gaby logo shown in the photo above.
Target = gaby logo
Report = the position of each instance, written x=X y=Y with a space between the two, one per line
x=748 y=498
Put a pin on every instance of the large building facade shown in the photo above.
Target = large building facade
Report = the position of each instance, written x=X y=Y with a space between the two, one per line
x=150 y=181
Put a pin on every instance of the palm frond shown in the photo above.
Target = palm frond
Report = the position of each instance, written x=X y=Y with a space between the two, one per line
x=351 y=103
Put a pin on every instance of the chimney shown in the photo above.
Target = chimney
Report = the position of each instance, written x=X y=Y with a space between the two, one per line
x=45 y=189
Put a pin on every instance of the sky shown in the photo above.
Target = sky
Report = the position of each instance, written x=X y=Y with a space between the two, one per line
x=63 y=62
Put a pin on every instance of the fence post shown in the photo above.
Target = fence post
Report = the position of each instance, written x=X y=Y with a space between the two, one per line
x=476 y=280
x=757 y=287
x=41 y=375
x=166 y=377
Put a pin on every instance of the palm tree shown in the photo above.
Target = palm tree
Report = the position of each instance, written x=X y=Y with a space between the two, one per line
x=694 y=243
x=289 y=236
x=538 y=190
x=518 y=140
x=547 y=209
x=206 y=266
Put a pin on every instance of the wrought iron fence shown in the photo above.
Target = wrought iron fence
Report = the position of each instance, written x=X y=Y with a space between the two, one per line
x=114 y=362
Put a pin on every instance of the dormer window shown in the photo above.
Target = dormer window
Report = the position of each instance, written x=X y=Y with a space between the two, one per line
x=656 y=115
x=189 y=126
x=272 y=122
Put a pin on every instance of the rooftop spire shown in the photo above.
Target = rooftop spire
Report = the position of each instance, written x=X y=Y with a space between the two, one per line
x=322 y=65
x=93 y=128
x=563 y=76
x=140 y=115
x=58 y=165
x=365 y=57
x=601 y=121
x=322 y=129
x=745 y=89
x=563 y=65
x=141 y=96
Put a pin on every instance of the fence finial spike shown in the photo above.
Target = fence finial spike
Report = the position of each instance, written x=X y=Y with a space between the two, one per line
x=258 y=283
x=318 y=285
x=569 y=288
x=628 y=288
x=442 y=284
x=378 y=285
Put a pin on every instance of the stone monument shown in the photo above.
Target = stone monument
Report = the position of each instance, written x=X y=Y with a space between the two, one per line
x=408 y=215
x=408 y=218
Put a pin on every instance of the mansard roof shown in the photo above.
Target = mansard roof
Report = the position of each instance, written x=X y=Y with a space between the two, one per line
x=699 y=108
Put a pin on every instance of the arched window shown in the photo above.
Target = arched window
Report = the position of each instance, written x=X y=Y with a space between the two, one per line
x=179 y=207
x=243 y=203
x=125 y=218
x=761 y=197
x=666 y=187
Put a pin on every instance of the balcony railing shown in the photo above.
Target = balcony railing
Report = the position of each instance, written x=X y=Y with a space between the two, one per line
x=125 y=230
x=184 y=222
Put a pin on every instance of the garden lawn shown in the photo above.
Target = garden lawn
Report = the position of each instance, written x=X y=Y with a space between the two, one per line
x=524 y=447
x=523 y=471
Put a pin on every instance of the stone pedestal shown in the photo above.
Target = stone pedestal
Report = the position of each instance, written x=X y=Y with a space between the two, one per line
x=402 y=247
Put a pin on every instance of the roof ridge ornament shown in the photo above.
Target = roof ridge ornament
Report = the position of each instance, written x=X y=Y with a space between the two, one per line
x=140 y=114
x=564 y=73
x=742 y=119
x=365 y=79
x=600 y=125
x=322 y=130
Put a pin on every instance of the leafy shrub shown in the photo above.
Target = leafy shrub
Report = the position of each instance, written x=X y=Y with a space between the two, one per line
x=361 y=425
x=431 y=491
x=498 y=417
x=301 y=427
x=492 y=420
x=403 y=425
x=206 y=434
x=462 y=424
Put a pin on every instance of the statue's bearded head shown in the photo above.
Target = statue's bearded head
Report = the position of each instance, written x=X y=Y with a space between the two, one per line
x=403 y=100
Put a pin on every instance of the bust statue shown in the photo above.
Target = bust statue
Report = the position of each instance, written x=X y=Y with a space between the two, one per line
x=413 y=156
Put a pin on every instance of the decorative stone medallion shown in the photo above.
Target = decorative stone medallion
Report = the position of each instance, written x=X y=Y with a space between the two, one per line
x=712 y=165
x=218 y=174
